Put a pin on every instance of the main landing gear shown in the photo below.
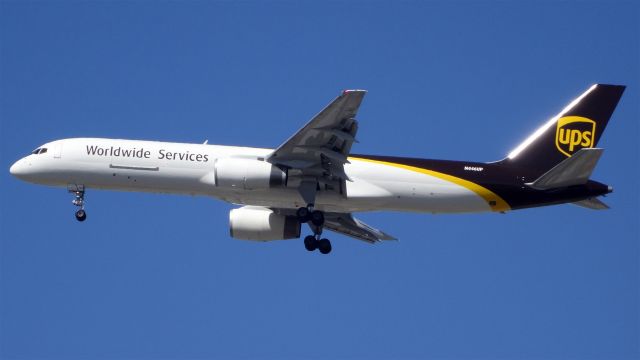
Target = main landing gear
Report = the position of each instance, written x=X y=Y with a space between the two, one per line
x=312 y=242
x=78 y=192
x=315 y=219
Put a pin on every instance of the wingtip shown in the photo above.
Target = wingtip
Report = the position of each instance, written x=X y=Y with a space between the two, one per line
x=344 y=92
x=386 y=236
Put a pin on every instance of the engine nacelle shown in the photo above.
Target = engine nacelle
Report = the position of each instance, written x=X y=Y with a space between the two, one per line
x=248 y=174
x=262 y=224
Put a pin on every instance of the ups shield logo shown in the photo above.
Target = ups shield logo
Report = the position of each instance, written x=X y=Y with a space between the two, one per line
x=574 y=133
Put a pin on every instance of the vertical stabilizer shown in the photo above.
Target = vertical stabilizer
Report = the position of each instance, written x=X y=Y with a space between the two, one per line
x=579 y=125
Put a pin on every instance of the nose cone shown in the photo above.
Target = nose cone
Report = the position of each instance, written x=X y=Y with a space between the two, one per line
x=31 y=170
x=19 y=169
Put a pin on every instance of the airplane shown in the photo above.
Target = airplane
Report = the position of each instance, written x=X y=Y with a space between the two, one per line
x=314 y=179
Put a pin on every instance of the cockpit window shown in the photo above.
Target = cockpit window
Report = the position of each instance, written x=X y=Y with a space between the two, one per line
x=39 y=151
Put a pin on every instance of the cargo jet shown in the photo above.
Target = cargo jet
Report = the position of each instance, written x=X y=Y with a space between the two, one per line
x=314 y=179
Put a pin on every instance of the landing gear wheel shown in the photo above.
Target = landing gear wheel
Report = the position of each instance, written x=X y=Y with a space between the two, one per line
x=303 y=214
x=78 y=200
x=317 y=218
x=324 y=245
x=81 y=215
x=310 y=243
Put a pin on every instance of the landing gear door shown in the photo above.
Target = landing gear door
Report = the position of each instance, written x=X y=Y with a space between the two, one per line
x=57 y=151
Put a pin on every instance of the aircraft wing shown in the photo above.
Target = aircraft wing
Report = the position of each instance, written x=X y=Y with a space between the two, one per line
x=346 y=224
x=316 y=154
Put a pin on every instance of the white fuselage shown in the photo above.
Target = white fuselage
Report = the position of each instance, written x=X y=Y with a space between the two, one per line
x=179 y=168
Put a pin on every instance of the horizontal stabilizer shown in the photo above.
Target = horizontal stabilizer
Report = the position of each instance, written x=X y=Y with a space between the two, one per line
x=575 y=170
x=593 y=203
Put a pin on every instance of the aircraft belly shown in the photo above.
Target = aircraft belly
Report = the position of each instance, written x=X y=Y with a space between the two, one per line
x=435 y=197
x=281 y=198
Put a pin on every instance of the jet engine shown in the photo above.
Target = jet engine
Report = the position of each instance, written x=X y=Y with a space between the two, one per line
x=248 y=174
x=262 y=224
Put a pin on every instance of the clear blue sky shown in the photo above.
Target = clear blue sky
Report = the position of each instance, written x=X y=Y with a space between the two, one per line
x=157 y=276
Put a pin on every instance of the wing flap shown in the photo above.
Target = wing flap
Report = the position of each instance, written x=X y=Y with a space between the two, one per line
x=346 y=224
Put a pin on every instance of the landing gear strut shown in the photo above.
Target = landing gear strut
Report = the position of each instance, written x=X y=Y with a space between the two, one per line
x=315 y=219
x=78 y=200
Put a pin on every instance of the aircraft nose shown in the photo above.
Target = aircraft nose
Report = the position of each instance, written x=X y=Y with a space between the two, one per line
x=19 y=168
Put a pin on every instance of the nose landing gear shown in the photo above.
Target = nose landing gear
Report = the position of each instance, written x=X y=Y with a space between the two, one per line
x=78 y=191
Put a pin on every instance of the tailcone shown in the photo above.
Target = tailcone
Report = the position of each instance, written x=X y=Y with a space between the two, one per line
x=595 y=188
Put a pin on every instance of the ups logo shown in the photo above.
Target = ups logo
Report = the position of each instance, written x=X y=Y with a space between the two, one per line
x=574 y=133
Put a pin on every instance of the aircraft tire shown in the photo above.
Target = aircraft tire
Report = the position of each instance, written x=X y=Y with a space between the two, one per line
x=302 y=214
x=317 y=218
x=324 y=245
x=310 y=243
x=81 y=215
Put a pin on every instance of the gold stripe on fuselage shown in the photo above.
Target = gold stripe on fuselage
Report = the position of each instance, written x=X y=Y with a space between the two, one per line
x=495 y=202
